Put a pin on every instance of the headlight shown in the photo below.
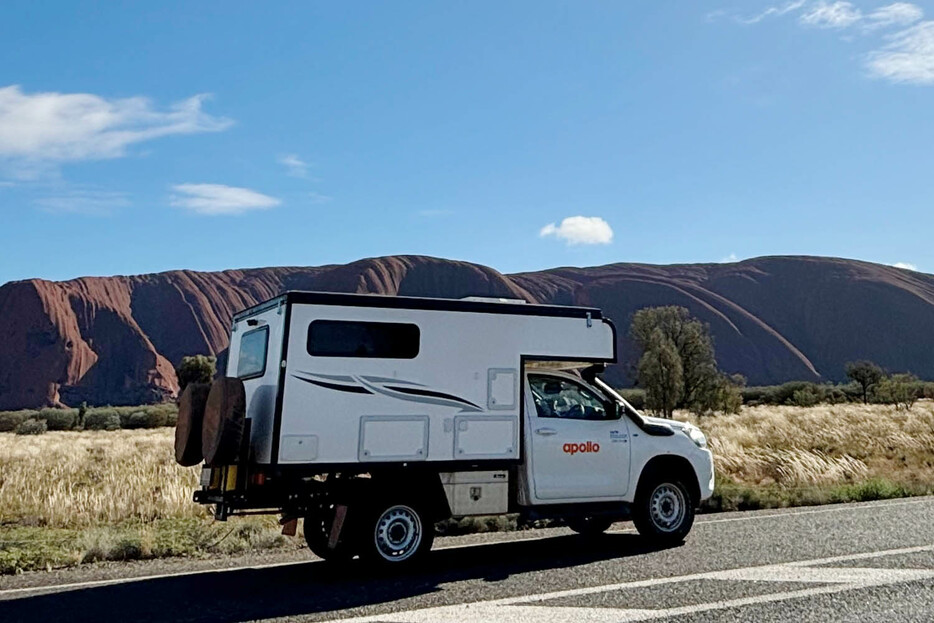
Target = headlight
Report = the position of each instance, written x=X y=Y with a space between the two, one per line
x=697 y=437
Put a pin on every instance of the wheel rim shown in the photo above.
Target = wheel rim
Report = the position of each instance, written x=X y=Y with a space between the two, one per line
x=667 y=507
x=398 y=533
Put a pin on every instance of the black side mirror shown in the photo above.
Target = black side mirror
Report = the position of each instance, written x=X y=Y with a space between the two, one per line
x=612 y=410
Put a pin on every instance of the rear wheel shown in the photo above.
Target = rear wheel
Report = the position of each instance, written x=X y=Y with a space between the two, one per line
x=589 y=526
x=397 y=534
x=664 y=510
x=317 y=529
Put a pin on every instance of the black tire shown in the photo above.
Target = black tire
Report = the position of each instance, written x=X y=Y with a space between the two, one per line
x=396 y=533
x=317 y=531
x=589 y=526
x=663 y=511
x=224 y=417
x=191 y=405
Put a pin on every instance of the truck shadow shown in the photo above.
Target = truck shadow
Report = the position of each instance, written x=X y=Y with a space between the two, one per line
x=313 y=589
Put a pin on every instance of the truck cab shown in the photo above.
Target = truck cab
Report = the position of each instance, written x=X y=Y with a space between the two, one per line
x=373 y=418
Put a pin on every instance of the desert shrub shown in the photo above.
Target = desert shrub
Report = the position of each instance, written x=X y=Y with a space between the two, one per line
x=761 y=395
x=9 y=420
x=196 y=369
x=31 y=427
x=901 y=390
x=102 y=419
x=59 y=419
x=806 y=397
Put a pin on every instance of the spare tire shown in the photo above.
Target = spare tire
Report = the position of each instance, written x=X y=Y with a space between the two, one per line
x=188 y=427
x=224 y=415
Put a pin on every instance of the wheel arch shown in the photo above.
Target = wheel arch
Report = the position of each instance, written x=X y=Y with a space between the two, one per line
x=425 y=485
x=666 y=464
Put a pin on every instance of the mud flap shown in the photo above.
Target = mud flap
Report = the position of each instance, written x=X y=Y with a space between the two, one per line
x=340 y=516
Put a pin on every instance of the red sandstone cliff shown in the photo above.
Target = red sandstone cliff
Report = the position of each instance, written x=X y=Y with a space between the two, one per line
x=117 y=339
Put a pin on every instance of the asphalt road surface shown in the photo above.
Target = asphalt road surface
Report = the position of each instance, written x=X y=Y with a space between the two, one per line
x=858 y=562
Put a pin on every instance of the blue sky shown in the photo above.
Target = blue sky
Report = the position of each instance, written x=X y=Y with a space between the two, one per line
x=519 y=135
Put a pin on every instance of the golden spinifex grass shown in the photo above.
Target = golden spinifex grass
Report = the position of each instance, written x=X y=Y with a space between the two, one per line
x=83 y=479
x=71 y=497
x=778 y=456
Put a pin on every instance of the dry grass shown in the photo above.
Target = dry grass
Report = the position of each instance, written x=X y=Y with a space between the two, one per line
x=776 y=455
x=72 y=497
x=69 y=479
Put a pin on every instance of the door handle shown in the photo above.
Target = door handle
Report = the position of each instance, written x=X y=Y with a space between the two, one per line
x=545 y=431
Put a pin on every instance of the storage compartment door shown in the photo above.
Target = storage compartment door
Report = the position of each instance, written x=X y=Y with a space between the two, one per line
x=393 y=438
x=486 y=437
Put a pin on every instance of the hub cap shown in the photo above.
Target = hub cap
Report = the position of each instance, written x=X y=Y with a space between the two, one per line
x=667 y=507
x=398 y=533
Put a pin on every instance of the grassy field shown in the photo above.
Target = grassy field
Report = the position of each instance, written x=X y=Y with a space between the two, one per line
x=73 y=497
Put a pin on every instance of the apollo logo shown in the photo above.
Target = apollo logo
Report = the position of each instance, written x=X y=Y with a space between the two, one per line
x=574 y=448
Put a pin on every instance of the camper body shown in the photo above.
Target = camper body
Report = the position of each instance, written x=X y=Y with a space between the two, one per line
x=374 y=417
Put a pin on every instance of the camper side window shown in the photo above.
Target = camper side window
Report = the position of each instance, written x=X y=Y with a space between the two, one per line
x=340 y=338
x=252 y=361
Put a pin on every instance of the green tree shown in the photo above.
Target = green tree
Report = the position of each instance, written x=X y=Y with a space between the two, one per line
x=662 y=374
x=704 y=388
x=866 y=374
x=195 y=369
x=900 y=390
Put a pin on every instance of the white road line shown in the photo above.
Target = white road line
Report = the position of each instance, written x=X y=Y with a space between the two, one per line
x=532 y=608
x=537 y=537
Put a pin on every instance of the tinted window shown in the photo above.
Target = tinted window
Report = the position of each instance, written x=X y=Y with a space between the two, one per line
x=252 y=361
x=338 y=338
x=560 y=398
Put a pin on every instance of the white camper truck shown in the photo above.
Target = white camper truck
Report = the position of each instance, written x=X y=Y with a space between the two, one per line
x=374 y=417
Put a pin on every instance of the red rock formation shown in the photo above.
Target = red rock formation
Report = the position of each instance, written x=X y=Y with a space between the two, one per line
x=116 y=340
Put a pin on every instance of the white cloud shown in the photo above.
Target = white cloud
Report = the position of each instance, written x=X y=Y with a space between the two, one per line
x=295 y=166
x=218 y=199
x=839 y=14
x=909 y=57
x=905 y=265
x=895 y=14
x=90 y=202
x=59 y=127
x=729 y=259
x=776 y=11
x=580 y=230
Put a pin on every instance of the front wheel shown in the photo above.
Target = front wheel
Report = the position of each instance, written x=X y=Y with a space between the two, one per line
x=663 y=511
x=397 y=534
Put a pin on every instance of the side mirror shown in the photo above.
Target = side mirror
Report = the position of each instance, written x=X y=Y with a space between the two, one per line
x=612 y=410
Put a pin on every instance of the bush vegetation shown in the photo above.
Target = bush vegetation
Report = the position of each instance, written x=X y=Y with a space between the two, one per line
x=93 y=418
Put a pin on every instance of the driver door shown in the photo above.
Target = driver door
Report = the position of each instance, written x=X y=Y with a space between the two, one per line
x=579 y=449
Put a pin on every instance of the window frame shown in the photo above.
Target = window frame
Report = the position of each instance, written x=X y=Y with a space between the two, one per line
x=604 y=400
x=262 y=371
x=409 y=326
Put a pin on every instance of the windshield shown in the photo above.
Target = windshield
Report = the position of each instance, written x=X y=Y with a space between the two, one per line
x=609 y=391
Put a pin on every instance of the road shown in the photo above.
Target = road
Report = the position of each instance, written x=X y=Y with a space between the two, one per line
x=858 y=562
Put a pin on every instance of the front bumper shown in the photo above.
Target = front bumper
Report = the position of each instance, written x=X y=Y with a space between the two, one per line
x=705 y=474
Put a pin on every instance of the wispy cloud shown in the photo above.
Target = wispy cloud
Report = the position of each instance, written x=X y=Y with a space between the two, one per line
x=218 y=199
x=905 y=265
x=88 y=202
x=42 y=129
x=295 y=166
x=773 y=11
x=838 y=14
x=908 y=58
x=729 y=259
x=318 y=198
x=580 y=230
